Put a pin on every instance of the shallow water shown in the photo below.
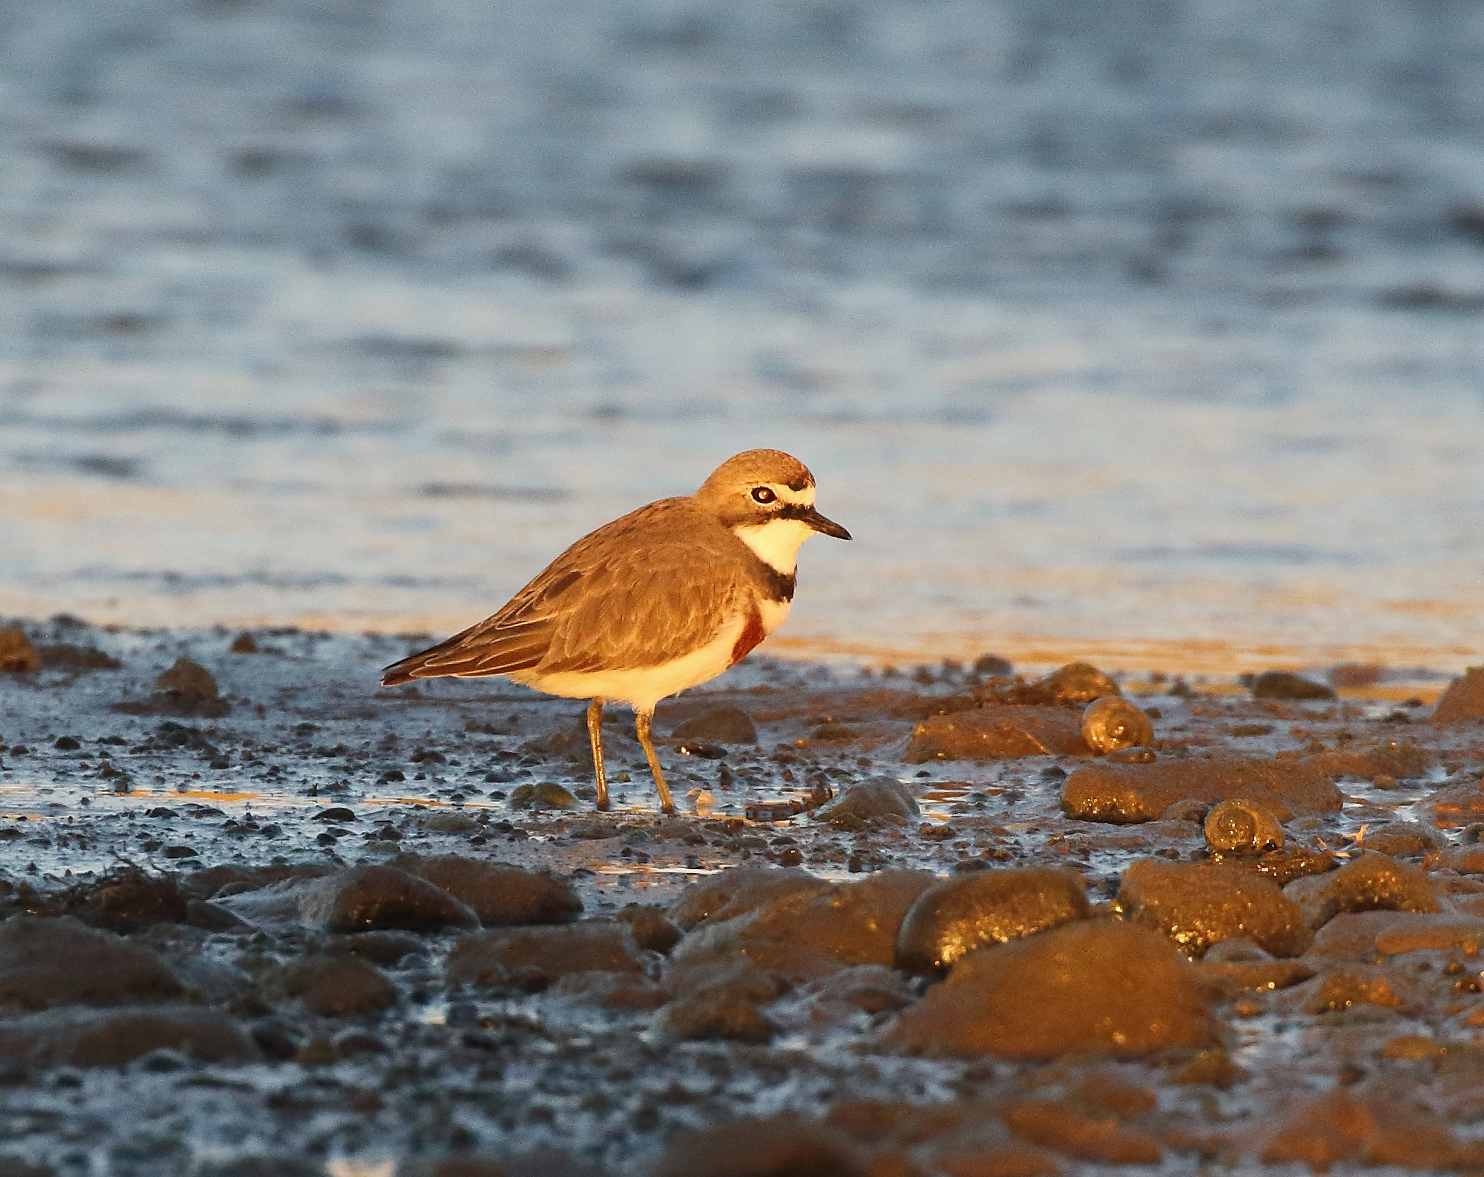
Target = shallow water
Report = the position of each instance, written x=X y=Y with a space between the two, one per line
x=1152 y=337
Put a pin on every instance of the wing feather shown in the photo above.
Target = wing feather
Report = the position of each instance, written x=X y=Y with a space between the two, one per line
x=640 y=591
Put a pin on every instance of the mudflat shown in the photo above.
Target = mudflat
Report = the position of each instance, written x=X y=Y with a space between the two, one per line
x=263 y=916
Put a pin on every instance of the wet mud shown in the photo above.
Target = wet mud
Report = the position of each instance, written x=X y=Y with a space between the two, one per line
x=259 y=916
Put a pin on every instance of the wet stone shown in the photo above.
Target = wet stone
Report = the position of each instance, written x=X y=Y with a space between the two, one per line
x=1282 y=684
x=543 y=795
x=1372 y=882
x=873 y=798
x=127 y=900
x=449 y=823
x=17 y=655
x=738 y=890
x=47 y=962
x=1122 y=793
x=805 y=935
x=1078 y=682
x=952 y=918
x=186 y=688
x=785 y=1146
x=532 y=957
x=1463 y=701
x=1091 y=986
x=114 y=1038
x=718 y=725
x=997 y=732
x=498 y=894
x=1402 y=839
x=1343 y=1126
x=381 y=948
x=212 y=918
x=333 y=986
x=1198 y=904
x=1069 y=1130
x=368 y=898
x=716 y=1013
x=652 y=931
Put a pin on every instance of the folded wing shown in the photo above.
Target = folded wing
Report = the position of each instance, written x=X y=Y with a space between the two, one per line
x=640 y=591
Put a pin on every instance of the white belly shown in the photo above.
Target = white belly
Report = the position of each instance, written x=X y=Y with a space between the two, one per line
x=644 y=687
x=774 y=614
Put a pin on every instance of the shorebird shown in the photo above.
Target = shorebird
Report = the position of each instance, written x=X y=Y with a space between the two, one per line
x=662 y=599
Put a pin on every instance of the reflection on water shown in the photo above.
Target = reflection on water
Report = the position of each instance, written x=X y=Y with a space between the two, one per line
x=1150 y=340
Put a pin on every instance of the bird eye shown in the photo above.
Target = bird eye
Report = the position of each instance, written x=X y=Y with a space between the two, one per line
x=761 y=494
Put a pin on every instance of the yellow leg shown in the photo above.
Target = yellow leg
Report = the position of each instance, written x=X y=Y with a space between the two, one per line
x=595 y=734
x=641 y=725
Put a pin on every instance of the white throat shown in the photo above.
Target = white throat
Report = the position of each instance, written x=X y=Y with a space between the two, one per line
x=776 y=542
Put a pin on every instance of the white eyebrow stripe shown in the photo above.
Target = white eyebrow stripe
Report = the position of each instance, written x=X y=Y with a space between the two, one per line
x=795 y=498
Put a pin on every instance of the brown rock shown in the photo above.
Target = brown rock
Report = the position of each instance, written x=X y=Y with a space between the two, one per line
x=1372 y=882
x=719 y=725
x=715 y=1013
x=1368 y=935
x=804 y=935
x=187 y=688
x=1351 y=675
x=1078 y=682
x=1395 y=758
x=652 y=931
x=1256 y=975
x=334 y=986
x=126 y=900
x=53 y=962
x=1067 y=1130
x=861 y=988
x=1466 y=860
x=1091 y=986
x=1295 y=862
x=784 y=1146
x=368 y=898
x=1345 y=1126
x=1352 y=935
x=997 y=732
x=632 y=992
x=532 y=957
x=113 y=1038
x=875 y=797
x=1281 y=684
x=1402 y=838
x=1122 y=793
x=1463 y=701
x=500 y=895
x=1455 y=807
x=17 y=656
x=987 y=907
x=383 y=948
x=1342 y=986
x=1197 y=904
x=78 y=659
x=740 y=889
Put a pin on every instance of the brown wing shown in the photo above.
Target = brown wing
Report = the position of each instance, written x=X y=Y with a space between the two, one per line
x=642 y=590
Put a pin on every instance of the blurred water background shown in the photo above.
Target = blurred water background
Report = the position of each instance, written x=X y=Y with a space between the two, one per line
x=1147 y=331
